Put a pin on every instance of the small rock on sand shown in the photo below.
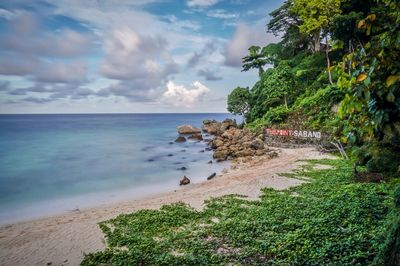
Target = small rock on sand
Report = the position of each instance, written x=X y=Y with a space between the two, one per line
x=180 y=139
x=184 y=181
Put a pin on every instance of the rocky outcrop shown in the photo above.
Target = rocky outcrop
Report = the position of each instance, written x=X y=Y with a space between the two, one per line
x=188 y=129
x=232 y=142
x=184 y=181
x=214 y=127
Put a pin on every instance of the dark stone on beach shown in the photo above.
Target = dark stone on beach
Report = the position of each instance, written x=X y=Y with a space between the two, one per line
x=184 y=181
x=171 y=143
x=211 y=176
x=177 y=163
x=209 y=162
x=169 y=155
x=208 y=149
x=201 y=151
x=183 y=168
x=180 y=139
x=151 y=160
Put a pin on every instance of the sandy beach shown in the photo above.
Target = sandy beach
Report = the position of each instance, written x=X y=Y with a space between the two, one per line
x=64 y=239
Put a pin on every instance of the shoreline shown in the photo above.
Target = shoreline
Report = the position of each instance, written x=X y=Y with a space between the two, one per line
x=64 y=239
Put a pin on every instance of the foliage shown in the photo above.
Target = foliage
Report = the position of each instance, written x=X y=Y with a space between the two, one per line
x=331 y=220
x=239 y=101
x=370 y=77
x=389 y=254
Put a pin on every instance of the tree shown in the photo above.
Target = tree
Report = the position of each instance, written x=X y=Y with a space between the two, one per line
x=255 y=59
x=316 y=17
x=239 y=101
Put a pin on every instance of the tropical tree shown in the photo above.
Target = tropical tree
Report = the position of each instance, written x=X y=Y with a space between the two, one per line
x=239 y=101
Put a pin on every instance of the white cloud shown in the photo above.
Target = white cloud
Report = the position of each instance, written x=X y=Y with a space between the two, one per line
x=201 y=3
x=244 y=37
x=221 y=14
x=178 y=95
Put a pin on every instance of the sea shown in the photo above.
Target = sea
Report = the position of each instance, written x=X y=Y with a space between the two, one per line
x=57 y=163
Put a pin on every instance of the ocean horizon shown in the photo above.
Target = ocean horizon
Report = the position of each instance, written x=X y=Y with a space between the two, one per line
x=56 y=163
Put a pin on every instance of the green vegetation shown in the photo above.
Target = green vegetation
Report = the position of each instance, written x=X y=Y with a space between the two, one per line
x=337 y=69
x=329 y=220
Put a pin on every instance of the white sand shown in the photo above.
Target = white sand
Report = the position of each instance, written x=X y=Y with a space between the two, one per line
x=62 y=240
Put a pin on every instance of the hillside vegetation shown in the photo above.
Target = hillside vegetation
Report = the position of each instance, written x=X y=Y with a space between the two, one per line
x=337 y=69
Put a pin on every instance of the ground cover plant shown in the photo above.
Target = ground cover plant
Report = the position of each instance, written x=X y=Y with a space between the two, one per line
x=331 y=219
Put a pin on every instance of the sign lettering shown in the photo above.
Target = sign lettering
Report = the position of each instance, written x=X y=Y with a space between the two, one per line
x=293 y=133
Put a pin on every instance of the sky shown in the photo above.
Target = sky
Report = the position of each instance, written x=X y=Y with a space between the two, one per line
x=120 y=56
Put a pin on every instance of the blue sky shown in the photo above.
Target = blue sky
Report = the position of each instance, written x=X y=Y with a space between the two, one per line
x=73 y=56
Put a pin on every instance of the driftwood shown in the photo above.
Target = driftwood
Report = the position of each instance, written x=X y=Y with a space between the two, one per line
x=339 y=146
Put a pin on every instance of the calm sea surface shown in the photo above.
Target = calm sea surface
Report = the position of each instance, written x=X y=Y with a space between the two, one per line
x=57 y=163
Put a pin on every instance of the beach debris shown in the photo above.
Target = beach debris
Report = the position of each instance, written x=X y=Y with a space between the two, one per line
x=180 y=139
x=183 y=168
x=184 y=181
x=211 y=176
x=188 y=129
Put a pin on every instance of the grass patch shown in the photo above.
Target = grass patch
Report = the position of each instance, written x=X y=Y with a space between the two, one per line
x=332 y=220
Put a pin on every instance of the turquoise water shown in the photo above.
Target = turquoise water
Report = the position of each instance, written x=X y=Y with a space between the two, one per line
x=56 y=163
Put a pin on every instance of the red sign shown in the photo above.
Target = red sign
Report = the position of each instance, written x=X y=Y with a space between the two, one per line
x=293 y=133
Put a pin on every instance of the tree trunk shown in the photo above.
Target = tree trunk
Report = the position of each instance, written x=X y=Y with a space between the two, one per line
x=317 y=41
x=328 y=62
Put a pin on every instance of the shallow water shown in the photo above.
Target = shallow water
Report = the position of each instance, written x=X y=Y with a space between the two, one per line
x=56 y=163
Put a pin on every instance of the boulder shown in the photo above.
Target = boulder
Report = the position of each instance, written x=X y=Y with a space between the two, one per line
x=183 y=168
x=211 y=176
x=188 y=129
x=180 y=139
x=210 y=162
x=220 y=155
x=196 y=137
x=257 y=144
x=184 y=181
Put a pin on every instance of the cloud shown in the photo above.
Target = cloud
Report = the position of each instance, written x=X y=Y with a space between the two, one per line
x=195 y=59
x=26 y=35
x=178 y=95
x=201 y=3
x=131 y=56
x=62 y=72
x=243 y=38
x=208 y=75
x=221 y=14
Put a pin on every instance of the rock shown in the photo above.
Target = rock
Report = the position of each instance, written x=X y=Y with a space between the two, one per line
x=183 y=168
x=171 y=143
x=225 y=171
x=211 y=176
x=184 y=181
x=170 y=155
x=183 y=150
x=210 y=162
x=208 y=149
x=201 y=151
x=188 y=129
x=180 y=139
x=196 y=137
x=257 y=144
x=220 y=155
